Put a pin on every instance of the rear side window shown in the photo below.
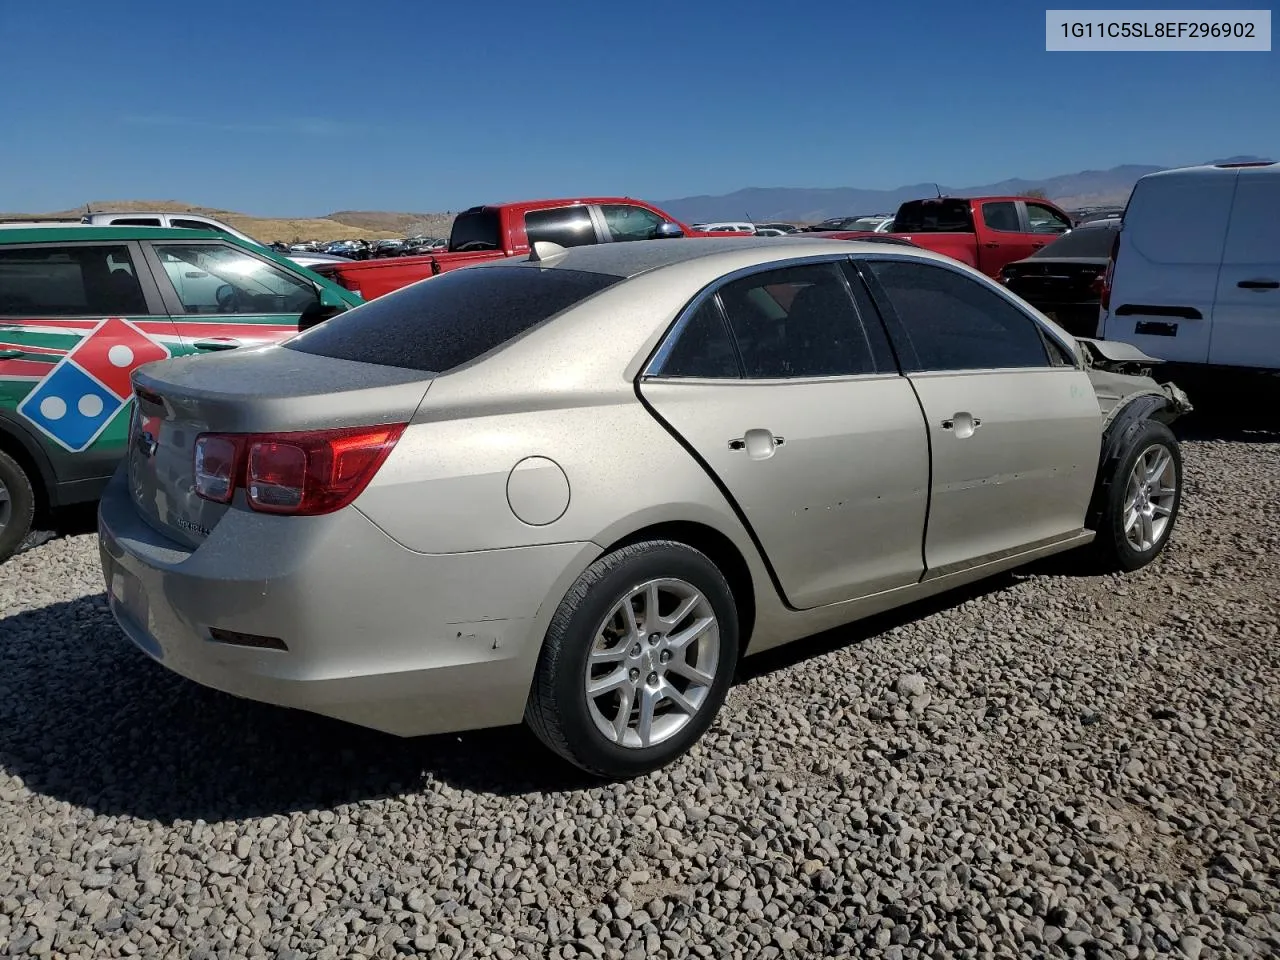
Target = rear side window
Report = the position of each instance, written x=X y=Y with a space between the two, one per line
x=952 y=322
x=50 y=281
x=567 y=226
x=702 y=348
x=1002 y=216
x=1086 y=241
x=451 y=319
x=797 y=322
x=934 y=216
x=135 y=221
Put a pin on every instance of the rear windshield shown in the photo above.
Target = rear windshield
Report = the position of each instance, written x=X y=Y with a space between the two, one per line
x=449 y=320
x=476 y=230
x=1085 y=241
x=934 y=216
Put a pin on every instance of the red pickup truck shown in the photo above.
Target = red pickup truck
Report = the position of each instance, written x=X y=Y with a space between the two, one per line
x=507 y=230
x=986 y=233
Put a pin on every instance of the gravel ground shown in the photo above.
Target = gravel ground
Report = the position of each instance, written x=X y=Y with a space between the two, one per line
x=1053 y=765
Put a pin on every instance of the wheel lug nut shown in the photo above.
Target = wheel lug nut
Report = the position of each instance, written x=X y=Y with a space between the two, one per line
x=635 y=651
x=653 y=679
x=635 y=674
x=666 y=655
x=654 y=637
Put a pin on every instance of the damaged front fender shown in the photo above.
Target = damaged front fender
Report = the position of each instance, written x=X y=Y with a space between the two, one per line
x=1121 y=374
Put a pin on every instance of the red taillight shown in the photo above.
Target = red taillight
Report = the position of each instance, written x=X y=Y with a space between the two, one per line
x=1104 y=288
x=305 y=473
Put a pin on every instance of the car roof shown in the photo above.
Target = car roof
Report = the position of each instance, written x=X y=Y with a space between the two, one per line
x=632 y=258
x=1216 y=170
x=82 y=232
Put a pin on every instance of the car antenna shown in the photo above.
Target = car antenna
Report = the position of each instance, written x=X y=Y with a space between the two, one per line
x=937 y=191
x=541 y=250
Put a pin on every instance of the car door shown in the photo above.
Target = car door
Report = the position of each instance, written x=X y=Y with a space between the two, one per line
x=798 y=411
x=1014 y=424
x=1246 y=311
x=1042 y=224
x=76 y=319
x=1002 y=238
x=223 y=296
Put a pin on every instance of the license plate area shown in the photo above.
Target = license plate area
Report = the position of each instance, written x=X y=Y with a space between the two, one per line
x=130 y=600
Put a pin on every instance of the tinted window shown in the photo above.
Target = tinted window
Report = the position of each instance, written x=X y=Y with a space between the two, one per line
x=69 y=281
x=934 y=216
x=1081 y=242
x=195 y=225
x=797 y=322
x=451 y=319
x=626 y=222
x=1001 y=216
x=702 y=347
x=567 y=226
x=476 y=230
x=214 y=278
x=951 y=322
x=1042 y=219
x=135 y=221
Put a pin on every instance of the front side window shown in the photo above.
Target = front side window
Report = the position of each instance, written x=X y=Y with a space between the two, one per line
x=1001 y=216
x=48 y=281
x=797 y=322
x=211 y=278
x=702 y=348
x=1042 y=219
x=451 y=319
x=628 y=222
x=952 y=322
x=567 y=226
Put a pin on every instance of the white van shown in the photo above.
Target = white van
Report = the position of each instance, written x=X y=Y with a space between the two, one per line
x=1195 y=270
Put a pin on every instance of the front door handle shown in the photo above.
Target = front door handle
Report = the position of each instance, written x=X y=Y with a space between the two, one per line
x=12 y=354
x=759 y=444
x=991 y=244
x=1259 y=284
x=962 y=424
x=218 y=343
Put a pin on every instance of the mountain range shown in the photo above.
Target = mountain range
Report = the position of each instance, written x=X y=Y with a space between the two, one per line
x=807 y=204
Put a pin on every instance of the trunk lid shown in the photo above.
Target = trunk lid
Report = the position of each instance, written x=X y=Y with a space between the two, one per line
x=265 y=390
x=1068 y=280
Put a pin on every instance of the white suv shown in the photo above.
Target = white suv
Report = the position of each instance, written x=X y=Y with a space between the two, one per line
x=1194 y=275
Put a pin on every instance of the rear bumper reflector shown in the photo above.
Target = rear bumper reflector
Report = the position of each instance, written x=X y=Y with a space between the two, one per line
x=236 y=639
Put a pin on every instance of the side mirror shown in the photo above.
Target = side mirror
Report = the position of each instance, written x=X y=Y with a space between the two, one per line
x=667 y=230
x=327 y=304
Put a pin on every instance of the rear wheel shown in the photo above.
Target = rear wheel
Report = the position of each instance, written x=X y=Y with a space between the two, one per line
x=1141 y=499
x=17 y=506
x=637 y=660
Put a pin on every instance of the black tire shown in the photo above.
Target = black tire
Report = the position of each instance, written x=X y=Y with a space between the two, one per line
x=1112 y=547
x=17 y=513
x=557 y=710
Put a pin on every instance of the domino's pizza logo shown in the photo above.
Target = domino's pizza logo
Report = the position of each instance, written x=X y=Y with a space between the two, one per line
x=76 y=400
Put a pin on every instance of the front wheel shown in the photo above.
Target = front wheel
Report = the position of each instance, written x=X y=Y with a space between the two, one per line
x=1141 y=499
x=637 y=660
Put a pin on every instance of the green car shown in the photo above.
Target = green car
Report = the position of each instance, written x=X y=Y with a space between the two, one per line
x=82 y=307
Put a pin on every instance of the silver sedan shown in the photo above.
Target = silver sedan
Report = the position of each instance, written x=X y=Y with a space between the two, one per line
x=575 y=489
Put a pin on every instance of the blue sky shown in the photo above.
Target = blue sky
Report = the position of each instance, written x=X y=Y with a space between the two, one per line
x=302 y=107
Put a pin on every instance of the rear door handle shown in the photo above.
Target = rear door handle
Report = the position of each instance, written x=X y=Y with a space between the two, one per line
x=218 y=343
x=962 y=424
x=759 y=444
x=1259 y=284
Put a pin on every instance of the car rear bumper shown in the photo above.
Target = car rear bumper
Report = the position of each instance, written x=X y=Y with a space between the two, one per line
x=375 y=634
